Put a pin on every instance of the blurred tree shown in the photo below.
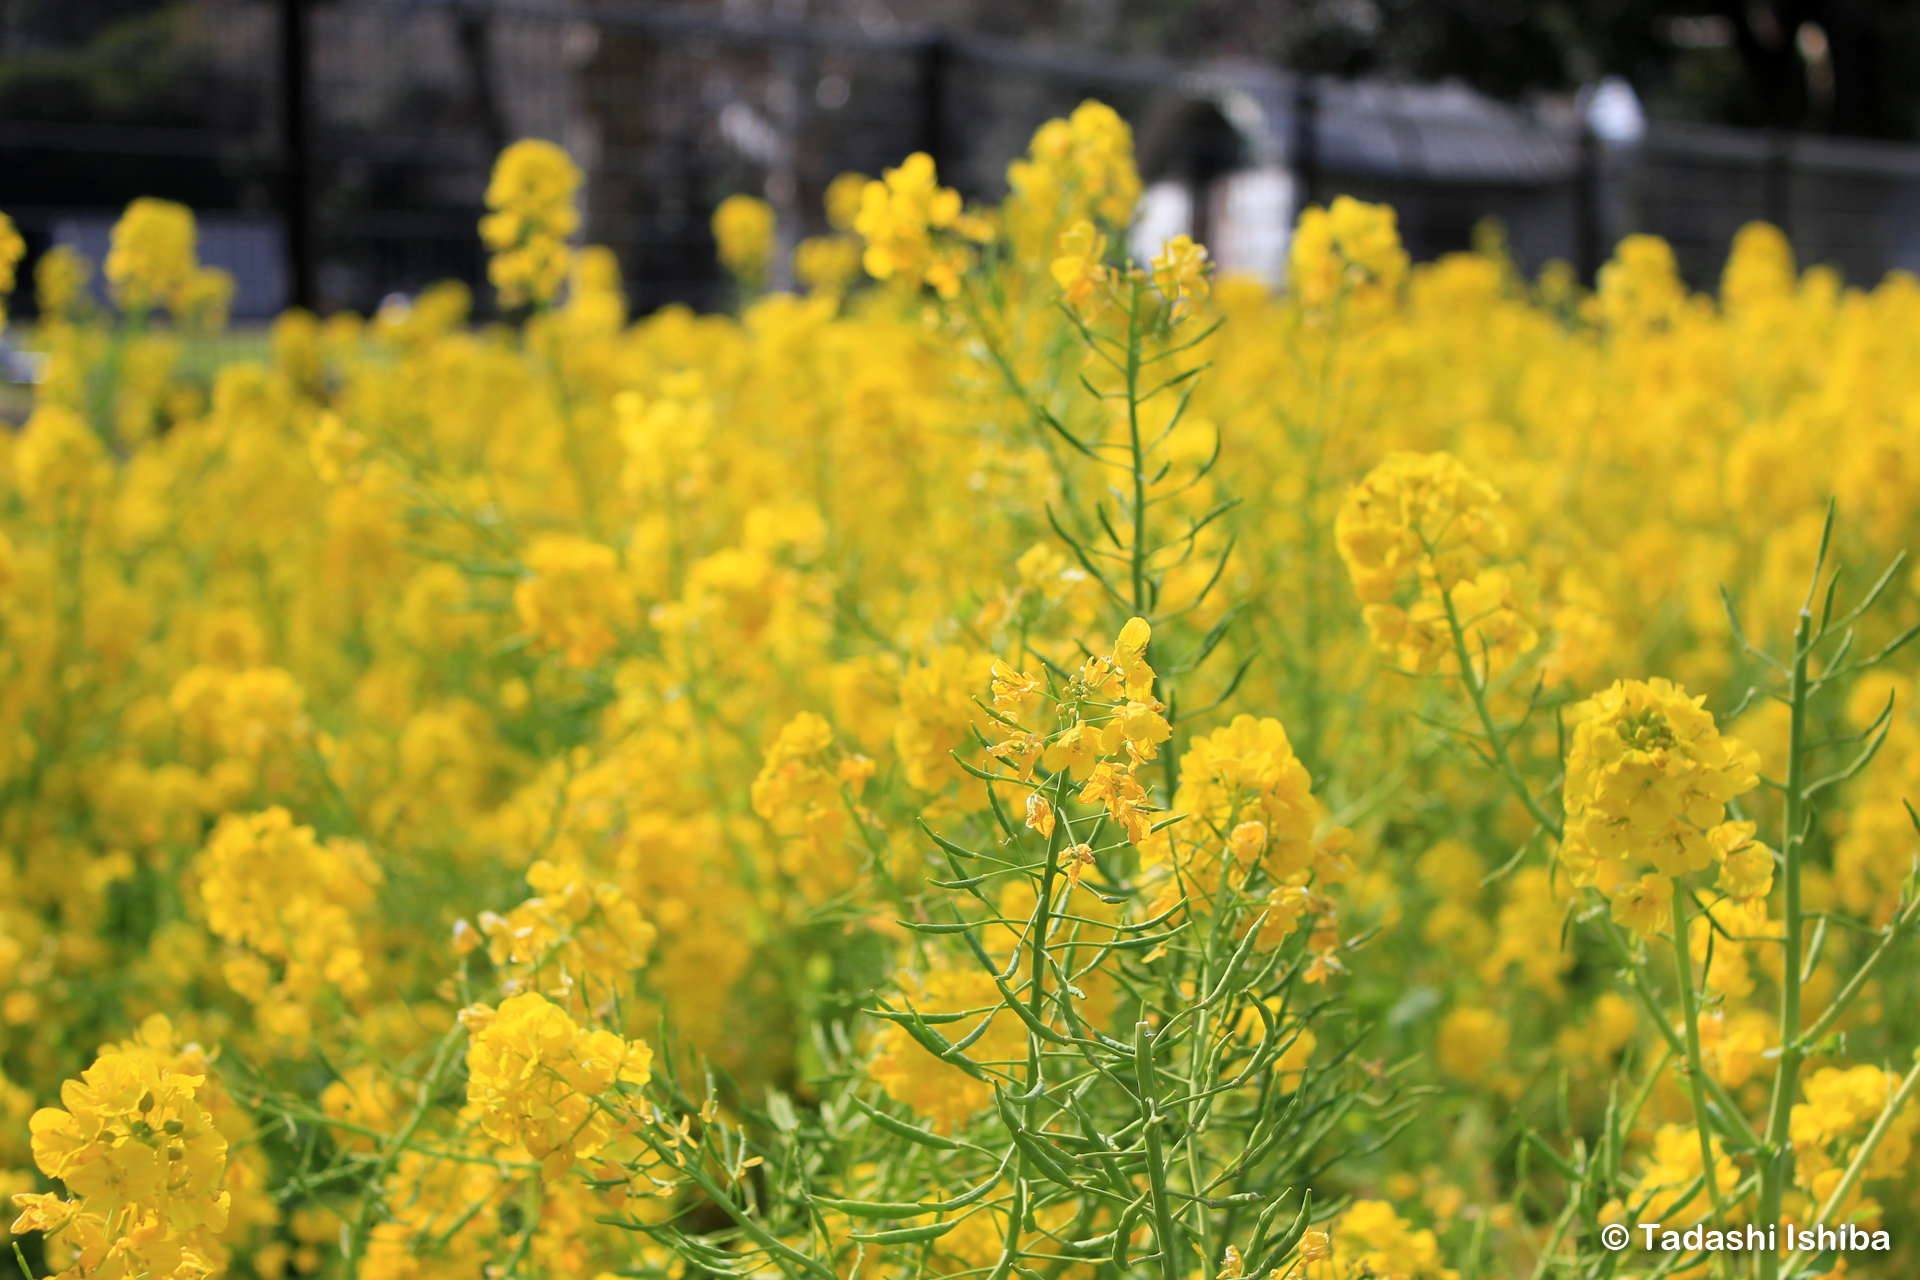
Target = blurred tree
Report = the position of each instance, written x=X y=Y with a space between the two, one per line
x=1843 y=66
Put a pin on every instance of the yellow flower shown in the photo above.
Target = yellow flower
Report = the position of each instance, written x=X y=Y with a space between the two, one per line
x=937 y=715
x=1746 y=865
x=1351 y=249
x=1143 y=726
x=743 y=229
x=285 y=897
x=582 y=929
x=1370 y=1239
x=1644 y=906
x=576 y=600
x=533 y=217
x=843 y=198
x=1736 y=1046
x=247 y=715
x=1079 y=168
x=59 y=461
x=150 y=262
x=1472 y=1042
x=1039 y=815
x=542 y=1082
x=1011 y=687
x=1080 y=269
x=1641 y=286
x=596 y=303
x=362 y=1098
x=1130 y=657
x=12 y=248
x=137 y=1149
x=1249 y=767
x=1284 y=907
x=799 y=793
x=1423 y=515
x=60 y=282
x=827 y=264
x=1759 y=272
x=909 y=222
x=1180 y=273
x=1671 y=1169
x=334 y=447
x=1125 y=799
x=1719 y=940
x=203 y=298
x=1649 y=777
x=1842 y=1103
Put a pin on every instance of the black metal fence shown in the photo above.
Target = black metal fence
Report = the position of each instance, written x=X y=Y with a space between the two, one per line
x=373 y=124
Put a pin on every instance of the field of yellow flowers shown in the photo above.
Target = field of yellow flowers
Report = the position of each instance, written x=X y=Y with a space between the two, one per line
x=1010 y=763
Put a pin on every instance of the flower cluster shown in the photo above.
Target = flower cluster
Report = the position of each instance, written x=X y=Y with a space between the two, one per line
x=1180 y=273
x=575 y=599
x=1649 y=776
x=152 y=264
x=1348 y=250
x=1669 y=1181
x=537 y=1079
x=1245 y=780
x=1842 y=1103
x=801 y=791
x=1370 y=1239
x=532 y=219
x=886 y=699
x=1077 y=169
x=743 y=232
x=914 y=228
x=284 y=898
x=1421 y=535
x=138 y=1152
x=588 y=935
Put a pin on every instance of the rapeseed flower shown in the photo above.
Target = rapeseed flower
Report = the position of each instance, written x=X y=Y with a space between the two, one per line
x=732 y=674
x=532 y=219
x=536 y=1078
x=743 y=231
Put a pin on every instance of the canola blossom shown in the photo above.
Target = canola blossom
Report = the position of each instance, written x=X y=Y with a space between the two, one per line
x=1009 y=762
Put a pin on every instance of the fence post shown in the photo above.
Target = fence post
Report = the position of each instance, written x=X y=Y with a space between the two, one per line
x=1777 y=181
x=295 y=160
x=1306 y=141
x=1586 y=207
x=936 y=57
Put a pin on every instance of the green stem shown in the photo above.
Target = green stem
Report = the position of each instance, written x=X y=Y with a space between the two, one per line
x=1042 y=922
x=1163 y=1230
x=1736 y=1120
x=532 y=1208
x=1139 y=460
x=1696 y=1070
x=443 y=1056
x=1896 y=929
x=1202 y=1077
x=573 y=445
x=1857 y=1167
x=1777 y=1155
x=1495 y=740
